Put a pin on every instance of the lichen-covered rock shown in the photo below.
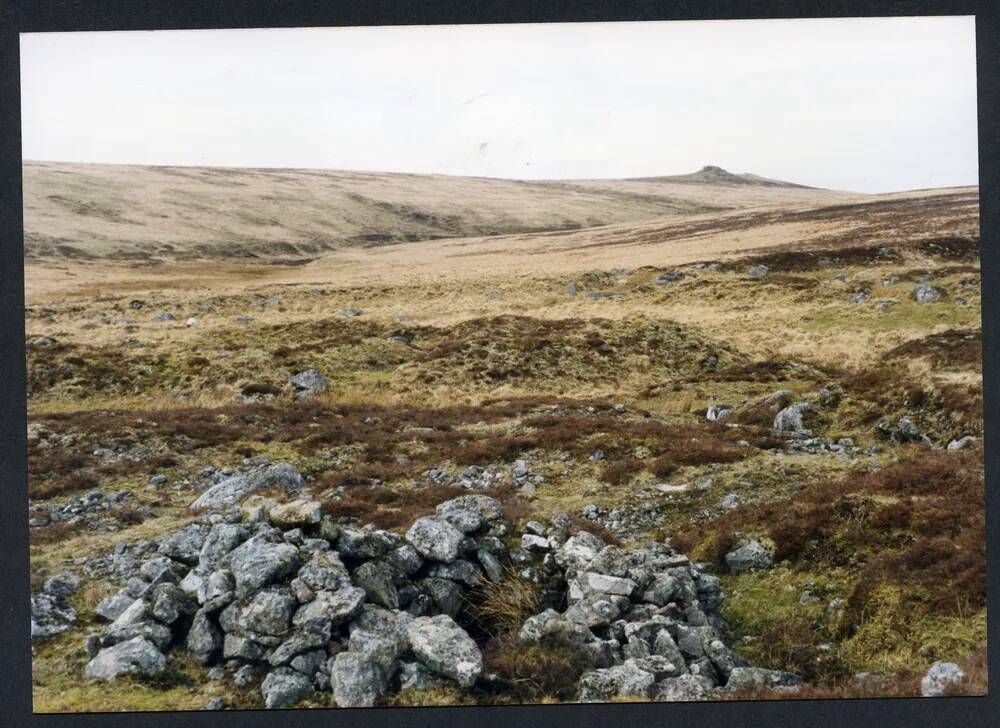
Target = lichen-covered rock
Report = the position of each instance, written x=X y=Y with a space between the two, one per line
x=752 y=556
x=233 y=489
x=137 y=655
x=742 y=678
x=621 y=681
x=684 y=688
x=257 y=563
x=939 y=678
x=268 y=612
x=335 y=607
x=324 y=572
x=307 y=384
x=469 y=512
x=50 y=616
x=204 y=639
x=299 y=512
x=789 y=422
x=284 y=687
x=112 y=606
x=435 y=538
x=442 y=646
x=357 y=680
x=185 y=545
x=380 y=635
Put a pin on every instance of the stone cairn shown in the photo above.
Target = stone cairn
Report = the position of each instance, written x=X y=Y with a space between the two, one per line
x=286 y=597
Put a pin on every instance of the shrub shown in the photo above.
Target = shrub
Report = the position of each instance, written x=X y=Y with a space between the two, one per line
x=533 y=672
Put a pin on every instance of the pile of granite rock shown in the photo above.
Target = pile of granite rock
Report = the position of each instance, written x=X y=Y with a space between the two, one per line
x=281 y=596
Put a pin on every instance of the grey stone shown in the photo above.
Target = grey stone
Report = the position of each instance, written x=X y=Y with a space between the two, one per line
x=376 y=578
x=594 y=610
x=622 y=681
x=685 y=688
x=50 y=616
x=446 y=594
x=257 y=563
x=184 y=545
x=414 y=676
x=236 y=647
x=468 y=512
x=268 y=612
x=749 y=557
x=926 y=293
x=588 y=582
x=237 y=487
x=170 y=603
x=336 y=607
x=137 y=655
x=750 y=677
x=789 y=421
x=112 y=606
x=62 y=585
x=325 y=572
x=442 y=646
x=491 y=565
x=308 y=383
x=435 y=538
x=357 y=681
x=939 y=678
x=284 y=687
x=962 y=443
x=220 y=541
x=204 y=639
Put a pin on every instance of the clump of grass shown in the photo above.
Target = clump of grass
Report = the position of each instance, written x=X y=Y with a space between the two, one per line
x=896 y=632
x=501 y=607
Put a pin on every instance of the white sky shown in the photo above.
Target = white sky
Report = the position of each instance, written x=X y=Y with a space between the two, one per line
x=859 y=104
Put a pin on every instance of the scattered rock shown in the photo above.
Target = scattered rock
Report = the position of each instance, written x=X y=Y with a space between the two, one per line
x=926 y=293
x=308 y=383
x=750 y=557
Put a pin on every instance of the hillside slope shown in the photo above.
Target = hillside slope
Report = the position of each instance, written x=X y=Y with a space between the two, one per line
x=135 y=212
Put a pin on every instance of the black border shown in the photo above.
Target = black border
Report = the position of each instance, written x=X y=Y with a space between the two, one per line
x=68 y=15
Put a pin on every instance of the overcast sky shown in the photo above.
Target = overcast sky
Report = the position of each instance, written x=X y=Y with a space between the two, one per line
x=857 y=104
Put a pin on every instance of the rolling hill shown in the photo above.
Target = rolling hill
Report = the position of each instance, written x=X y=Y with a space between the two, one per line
x=141 y=213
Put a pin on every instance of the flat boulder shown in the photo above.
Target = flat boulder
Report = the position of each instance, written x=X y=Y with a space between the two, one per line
x=299 y=512
x=627 y=680
x=742 y=678
x=239 y=486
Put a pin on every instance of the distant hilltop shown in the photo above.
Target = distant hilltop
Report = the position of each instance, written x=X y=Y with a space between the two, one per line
x=713 y=175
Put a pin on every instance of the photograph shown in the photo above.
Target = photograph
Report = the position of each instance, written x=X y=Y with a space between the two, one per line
x=402 y=366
